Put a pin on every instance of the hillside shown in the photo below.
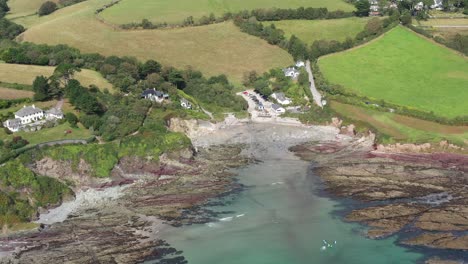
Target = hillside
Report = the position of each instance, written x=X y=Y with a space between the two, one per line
x=405 y=69
x=214 y=49
x=25 y=74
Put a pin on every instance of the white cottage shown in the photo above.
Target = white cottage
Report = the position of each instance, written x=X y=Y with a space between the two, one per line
x=29 y=114
x=291 y=72
x=54 y=113
x=185 y=103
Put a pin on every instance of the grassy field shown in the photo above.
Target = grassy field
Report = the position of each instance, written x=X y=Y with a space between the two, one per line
x=8 y=93
x=19 y=8
x=406 y=69
x=312 y=30
x=446 y=28
x=50 y=134
x=175 y=11
x=444 y=22
x=403 y=128
x=25 y=74
x=213 y=49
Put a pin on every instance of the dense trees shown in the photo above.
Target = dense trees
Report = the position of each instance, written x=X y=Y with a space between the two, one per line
x=82 y=98
x=41 y=88
x=72 y=119
x=3 y=8
x=362 y=8
x=28 y=191
x=47 y=8
x=9 y=30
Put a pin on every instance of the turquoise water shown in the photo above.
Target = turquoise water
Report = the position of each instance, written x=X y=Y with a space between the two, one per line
x=280 y=219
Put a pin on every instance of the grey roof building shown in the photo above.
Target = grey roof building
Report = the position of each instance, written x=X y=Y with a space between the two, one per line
x=27 y=111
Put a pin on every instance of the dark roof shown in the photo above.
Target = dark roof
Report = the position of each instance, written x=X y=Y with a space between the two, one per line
x=28 y=110
x=152 y=92
x=275 y=106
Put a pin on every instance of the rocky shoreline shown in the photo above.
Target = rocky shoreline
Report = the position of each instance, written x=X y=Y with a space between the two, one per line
x=421 y=195
x=125 y=229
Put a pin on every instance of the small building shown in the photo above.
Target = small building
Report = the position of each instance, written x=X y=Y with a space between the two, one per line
x=154 y=95
x=185 y=103
x=278 y=109
x=291 y=72
x=13 y=125
x=54 y=113
x=437 y=4
x=419 y=6
x=281 y=98
x=300 y=64
x=29 y=114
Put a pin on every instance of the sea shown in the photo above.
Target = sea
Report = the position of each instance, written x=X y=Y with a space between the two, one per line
x=283 y=217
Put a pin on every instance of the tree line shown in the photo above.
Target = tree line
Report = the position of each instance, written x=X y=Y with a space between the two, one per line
x=300 y=50
x=262 y=14
x=8 y=29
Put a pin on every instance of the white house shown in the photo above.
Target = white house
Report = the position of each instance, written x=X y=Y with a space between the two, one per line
x=54 y=113
x=185 y=103
x=29 y=114
x=30 y=118
x=291 y=72
x=278 y=109
x=300 y=64
x=281 y=98
x=154 y=95
x=13 y=125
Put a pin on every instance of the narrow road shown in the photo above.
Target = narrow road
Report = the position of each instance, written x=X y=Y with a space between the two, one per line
x=315 y=93
x=207 y=112
x=59 y=104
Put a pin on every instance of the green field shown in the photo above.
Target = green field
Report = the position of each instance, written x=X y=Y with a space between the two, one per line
x=25 y=74
x=50 y=134
x=330 y=29
x=214 y=49
x=175 y=11
x=405 y=69
x=402 y=128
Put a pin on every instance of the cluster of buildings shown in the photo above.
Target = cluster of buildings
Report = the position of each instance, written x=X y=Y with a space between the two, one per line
x=375 y=8
x=293 y=72
x=159 y=97
x=32 y=118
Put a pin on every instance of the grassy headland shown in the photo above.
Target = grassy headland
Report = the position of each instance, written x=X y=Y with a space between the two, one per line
x=405 y=69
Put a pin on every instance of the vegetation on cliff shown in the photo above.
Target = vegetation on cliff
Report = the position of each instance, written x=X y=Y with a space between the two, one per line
x=22 y=192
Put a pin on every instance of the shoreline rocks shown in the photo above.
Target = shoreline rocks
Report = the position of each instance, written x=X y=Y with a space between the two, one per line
x=125 y=229
x=424 y=195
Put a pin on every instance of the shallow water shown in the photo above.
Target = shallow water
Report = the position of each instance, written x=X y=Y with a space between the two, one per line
x=281 y=219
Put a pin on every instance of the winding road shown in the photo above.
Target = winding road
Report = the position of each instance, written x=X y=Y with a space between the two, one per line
x=315 y=93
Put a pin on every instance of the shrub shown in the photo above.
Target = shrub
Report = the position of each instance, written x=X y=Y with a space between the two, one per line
x=47 y=8
x=72 y=119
